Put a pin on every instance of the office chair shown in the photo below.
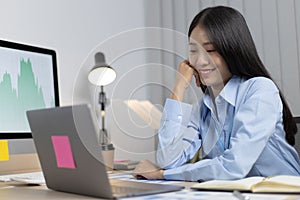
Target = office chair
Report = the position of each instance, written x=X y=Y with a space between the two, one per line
x=297 y=136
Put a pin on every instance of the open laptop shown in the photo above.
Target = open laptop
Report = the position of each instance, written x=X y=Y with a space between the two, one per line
x=70 y=156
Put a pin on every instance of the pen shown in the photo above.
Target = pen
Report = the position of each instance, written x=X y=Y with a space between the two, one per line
x=240 y=196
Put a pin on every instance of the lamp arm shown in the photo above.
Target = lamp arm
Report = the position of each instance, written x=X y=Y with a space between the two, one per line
x=102 y=102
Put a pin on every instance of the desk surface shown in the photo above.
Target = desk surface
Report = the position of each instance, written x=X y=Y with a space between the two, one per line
x=20 y=191
x=16 y=191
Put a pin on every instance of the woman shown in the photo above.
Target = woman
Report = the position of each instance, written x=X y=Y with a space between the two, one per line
x=242 y=127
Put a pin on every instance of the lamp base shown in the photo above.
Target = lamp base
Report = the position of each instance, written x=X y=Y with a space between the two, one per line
x=108 y=153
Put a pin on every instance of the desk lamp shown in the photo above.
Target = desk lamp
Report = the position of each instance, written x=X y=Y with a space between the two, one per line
x=100 y=75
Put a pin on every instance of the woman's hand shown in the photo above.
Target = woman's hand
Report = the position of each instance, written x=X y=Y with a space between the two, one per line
x=147 y=170
x=184 y=76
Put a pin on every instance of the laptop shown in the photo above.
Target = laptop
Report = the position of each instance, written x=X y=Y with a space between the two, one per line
x=66 y=142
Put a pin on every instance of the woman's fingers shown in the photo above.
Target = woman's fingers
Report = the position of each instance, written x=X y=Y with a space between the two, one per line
x=197 y=78
x=195 y=73
x=147 y=170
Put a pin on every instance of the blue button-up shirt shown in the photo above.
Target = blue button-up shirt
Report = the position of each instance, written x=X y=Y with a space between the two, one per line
x=241 y=136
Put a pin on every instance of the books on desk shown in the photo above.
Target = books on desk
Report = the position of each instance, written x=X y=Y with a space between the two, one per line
x=274 y=184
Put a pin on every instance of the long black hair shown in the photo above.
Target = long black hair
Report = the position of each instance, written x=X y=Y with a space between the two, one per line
x=228 y=31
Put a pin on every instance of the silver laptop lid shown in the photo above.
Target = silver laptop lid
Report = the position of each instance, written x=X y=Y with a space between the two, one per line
x=61 y=136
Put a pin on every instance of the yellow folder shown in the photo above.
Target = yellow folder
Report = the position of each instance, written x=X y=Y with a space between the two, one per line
x=4 y=155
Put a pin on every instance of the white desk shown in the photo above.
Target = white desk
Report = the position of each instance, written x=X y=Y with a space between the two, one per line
x=16 y=191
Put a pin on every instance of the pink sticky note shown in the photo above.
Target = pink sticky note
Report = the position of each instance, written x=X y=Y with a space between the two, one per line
x=63 y=152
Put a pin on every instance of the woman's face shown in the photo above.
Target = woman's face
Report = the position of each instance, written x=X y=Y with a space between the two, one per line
x=212 y=68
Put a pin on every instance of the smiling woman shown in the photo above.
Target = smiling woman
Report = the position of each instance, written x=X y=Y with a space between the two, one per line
x=242 y=107
x=210 y=65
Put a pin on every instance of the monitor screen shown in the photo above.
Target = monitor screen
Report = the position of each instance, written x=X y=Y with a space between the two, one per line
x=28 y=80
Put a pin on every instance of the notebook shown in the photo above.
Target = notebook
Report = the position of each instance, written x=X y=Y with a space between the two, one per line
x=66 y=142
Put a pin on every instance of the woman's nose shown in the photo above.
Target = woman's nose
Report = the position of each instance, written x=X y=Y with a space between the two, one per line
x=202 y=60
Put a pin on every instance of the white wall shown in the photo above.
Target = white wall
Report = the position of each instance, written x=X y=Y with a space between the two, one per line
x=72 y=28
x=76 y=30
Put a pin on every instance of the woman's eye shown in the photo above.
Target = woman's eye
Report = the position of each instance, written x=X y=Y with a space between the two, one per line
x=193 y=51
x=210 y=50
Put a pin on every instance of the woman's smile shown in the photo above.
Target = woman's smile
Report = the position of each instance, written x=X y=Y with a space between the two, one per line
x=206 y=72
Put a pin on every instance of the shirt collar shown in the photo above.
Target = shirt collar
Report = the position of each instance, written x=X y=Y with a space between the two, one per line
x=228 y=93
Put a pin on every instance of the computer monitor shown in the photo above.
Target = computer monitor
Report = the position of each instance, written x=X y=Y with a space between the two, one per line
x=28 y=80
